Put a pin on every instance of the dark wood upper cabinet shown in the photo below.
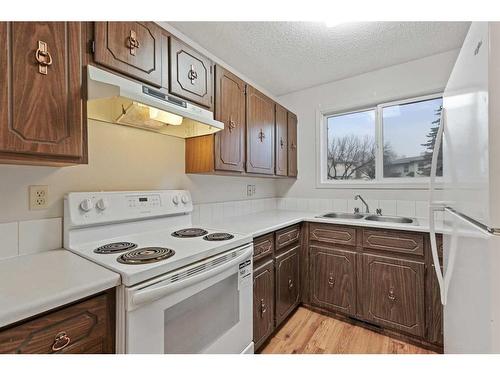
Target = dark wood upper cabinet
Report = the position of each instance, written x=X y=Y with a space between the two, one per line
x=41 y=102
x=229 y=109
x=292 y=145
x=132 y=48
x=190 y=74
x=393 y=293
x=333 y=279
x=260 y=132
x=287 y=283
x=263 y=303
x=281 y=141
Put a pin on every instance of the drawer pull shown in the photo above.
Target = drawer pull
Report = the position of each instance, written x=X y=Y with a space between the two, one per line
x=261 y=135
x=61 y=341
x=331 y=281
x=290 y=283
x=391 y=294
x=263 y=308
x=192 y=75
x=43 y=57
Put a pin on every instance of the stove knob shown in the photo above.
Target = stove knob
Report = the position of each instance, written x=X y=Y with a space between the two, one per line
x=175 y=199
x=185 y=199
x=102 y=204
x=86 y=205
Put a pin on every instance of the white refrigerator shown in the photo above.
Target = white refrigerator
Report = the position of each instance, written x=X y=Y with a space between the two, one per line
x=470 y=131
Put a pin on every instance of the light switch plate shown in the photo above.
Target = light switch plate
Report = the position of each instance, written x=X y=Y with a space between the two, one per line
x=39 y=197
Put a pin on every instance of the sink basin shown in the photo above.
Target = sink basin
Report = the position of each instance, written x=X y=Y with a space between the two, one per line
x=389 y=219
x=342 y=215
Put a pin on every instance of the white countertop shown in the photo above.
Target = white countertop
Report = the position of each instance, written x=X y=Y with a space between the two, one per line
x=33 y=284
x=268 y=221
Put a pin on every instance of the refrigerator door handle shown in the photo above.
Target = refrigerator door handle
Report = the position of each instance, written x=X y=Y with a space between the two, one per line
x=436 y=206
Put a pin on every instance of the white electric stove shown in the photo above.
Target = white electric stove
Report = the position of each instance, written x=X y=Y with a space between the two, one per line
x=185 y=288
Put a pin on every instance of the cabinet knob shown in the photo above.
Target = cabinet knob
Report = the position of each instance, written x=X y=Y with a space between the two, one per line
x=290 y=283
x=232 y=124
x=263 y=307
x=331 y=280
x=293 y=146
x=61 y=341
x=391 y=294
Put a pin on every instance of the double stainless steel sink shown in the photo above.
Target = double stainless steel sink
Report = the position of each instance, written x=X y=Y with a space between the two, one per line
x=369 y=217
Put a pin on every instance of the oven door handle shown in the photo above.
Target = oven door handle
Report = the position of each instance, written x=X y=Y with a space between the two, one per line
x=148 y=295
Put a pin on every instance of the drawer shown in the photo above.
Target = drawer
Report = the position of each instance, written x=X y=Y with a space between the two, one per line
x=263 y=246
x=84 y=327
x=394 y=241
x=287 y=236
x=333 y=234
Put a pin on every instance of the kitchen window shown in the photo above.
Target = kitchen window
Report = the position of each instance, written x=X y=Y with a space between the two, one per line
x=390 y=144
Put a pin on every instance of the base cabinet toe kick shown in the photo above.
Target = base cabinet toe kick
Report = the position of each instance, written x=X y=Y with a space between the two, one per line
x=380 y=279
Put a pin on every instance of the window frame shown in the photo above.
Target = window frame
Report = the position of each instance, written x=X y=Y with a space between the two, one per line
x=379 y=182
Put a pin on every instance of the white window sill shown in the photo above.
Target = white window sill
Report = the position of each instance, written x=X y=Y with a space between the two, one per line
x=379 y=185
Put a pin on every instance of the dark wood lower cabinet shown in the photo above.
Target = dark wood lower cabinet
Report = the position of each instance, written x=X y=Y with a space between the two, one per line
x=287 y=283
x=333 y=279
x=393 y=293
x=263 y=302
x=86 y=327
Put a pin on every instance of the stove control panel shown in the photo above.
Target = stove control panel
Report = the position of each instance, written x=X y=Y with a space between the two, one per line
x=92 y=208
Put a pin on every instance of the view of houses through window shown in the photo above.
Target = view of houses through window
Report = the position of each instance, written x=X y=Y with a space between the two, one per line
x=398 y=137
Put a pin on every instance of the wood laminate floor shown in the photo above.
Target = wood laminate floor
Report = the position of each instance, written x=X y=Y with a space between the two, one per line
x=308 y=332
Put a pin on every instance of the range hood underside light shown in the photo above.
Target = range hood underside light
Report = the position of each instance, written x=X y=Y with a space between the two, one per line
x=117 y=100
x=123 y=111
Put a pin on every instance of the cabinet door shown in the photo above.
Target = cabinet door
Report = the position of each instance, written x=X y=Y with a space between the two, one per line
x=393 y=293
x=132 y=48
x=287 y=283
x=292 y=145
x=190 y=74
x=230 y=109
x=281 y=141
x=333 y=279
x=85 y=327
x=260 y=132
x=40 y=89
x=263 y=307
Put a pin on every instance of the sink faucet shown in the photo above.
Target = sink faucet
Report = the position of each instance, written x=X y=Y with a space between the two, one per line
x=356 y=197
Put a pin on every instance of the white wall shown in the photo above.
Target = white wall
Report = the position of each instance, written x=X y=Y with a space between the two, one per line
x=120 y=158
x=419 y=77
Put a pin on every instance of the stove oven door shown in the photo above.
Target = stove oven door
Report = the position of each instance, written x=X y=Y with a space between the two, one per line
x=202 y=308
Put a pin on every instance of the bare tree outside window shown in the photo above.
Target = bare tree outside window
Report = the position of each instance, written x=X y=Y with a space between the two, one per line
x=351 y=146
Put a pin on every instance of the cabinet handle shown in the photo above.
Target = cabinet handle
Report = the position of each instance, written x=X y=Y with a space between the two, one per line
x=282 y=143
x=232 y=124
x=331 y=281
x=61 y=341
x=43 y=57
x=290 y=283
x=293 y=146
x=192 y=75
x=133 y=43
x=261 y=135
x=263 y=308
x=391 y=294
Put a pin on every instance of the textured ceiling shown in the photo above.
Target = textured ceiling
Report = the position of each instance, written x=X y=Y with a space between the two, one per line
x=288 y=56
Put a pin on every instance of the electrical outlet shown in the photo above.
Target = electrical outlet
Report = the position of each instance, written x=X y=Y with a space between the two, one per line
x=39 y=197
x=249 y=190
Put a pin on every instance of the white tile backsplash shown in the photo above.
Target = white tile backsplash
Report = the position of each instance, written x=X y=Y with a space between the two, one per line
x=421 y=209
x=405 y=208
x=340 y=205
x=40 y=235
x=388 y=207
x=9 y=244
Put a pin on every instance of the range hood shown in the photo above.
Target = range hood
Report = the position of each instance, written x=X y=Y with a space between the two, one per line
x=118 y=100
